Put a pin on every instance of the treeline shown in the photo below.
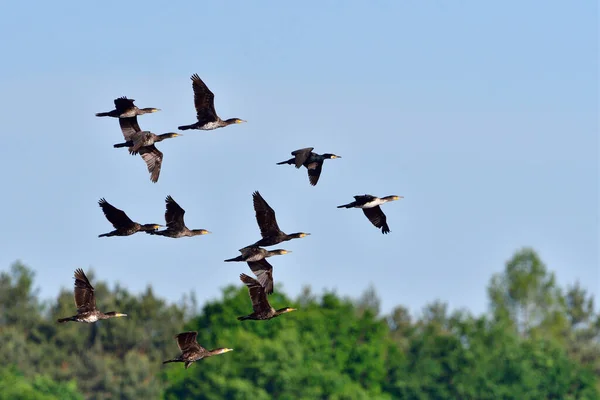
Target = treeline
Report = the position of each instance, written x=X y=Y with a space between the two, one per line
x=539 y=341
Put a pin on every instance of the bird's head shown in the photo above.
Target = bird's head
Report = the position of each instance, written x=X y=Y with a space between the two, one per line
x=299 y=235
x=330 y=156
x=234 y=121
x=280 y=252
x=150 y=110
x=222 y=350
x=285 y=310
x=151 y=227
x=200 y=232
x=393 y=197
x=115 y=314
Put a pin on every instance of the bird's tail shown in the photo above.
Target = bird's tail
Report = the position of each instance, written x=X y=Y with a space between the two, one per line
x=185 y=127
x=124 y=144
x=105 y=235
x=61 y=320
x=245 y=317
x=290 y=161
x=238 y=258
x=170 y=361
x=103 y=114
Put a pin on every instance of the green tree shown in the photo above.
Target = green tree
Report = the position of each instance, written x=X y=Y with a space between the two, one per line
x=527 y=294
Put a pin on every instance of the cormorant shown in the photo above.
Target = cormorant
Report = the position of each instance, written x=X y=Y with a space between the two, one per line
x=370 y=206
x=191 y=351
x=175 y=226
x=204 y=101
x=124 y=108
x=144 y=138
x=85 y=301
x=124 y=226
x=255 y=253
x=150 y=154
x=269 y=230
x=260 y=304
x=312 y=161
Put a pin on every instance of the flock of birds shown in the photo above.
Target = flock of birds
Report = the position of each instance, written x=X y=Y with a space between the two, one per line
x=143 y=143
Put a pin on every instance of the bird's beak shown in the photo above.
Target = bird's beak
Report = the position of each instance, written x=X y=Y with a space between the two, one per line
x=205 y=232
x=239 y=121
x=157 y=226
x=120 y=315
x=292 y=309
x=398 y=197
x=304 y=234
x=227 y=350
x=287 y=251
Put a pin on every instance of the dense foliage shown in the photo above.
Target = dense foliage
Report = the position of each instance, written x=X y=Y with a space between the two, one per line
x=537 y=342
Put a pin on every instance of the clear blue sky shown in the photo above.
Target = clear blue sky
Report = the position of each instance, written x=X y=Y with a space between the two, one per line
x=483 y=115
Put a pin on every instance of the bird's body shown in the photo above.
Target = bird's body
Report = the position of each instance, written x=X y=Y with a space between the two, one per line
x=267 y=222
x=255 y=253
x=124 y=108
x=85 y=301
x=313 y=162
x=260 y=304
x=143 y=139
x=150 y=154
x=370 y=206
x=123 y=225
x=204 y=102
x=175 y=225
x=191 y=351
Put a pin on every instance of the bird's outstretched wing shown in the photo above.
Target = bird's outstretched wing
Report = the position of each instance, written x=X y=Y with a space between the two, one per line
x=129 y=127
x=301 y=155
x=84 y=293
x=153 y=159
x=204 y=101
x=265 y=216
x=174 y=214
x=123 y=104
x=257 y=294
x=186 y=341
x=314 y=172
x=377 y=218
x=264 y=272
x=116 y=217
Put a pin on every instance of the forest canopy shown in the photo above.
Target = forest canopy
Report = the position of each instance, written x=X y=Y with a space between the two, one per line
x=538 y=340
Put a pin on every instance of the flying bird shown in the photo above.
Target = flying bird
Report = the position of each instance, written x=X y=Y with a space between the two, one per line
x=204 y=101
x=145 y=138
x=149 y=153
x=124 y=108
x=255 y=253
x=370 y=206
x=175 y=226
x=85 y=301
x=123 y=225
x=260 y=304
x=191 y=351
x=269 y=230
x=312 y=161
